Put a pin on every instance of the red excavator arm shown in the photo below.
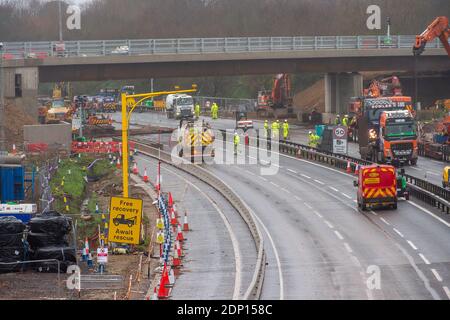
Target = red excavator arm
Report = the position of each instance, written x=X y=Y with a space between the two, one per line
x=281 y=91
x=439 y=28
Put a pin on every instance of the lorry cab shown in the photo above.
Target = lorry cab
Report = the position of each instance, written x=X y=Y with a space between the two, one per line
x=445 y=175
x=180 y=106
x=377 y=187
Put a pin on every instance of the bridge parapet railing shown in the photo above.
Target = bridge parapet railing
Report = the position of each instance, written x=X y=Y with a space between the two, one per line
x=87 y=48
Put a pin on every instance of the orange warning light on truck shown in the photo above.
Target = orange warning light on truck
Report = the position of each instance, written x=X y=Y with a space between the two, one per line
x=377 y=187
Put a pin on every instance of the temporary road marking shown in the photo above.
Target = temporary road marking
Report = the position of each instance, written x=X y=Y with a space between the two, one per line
x=424 y=259
x=263 y=179
x=319 y=182
x=447 y=291
x=412 y=245
x=398 y=232
x=338 y=235
x=429 y=212
x=304 y=175
x=307 y=205
x=318 y=214
x=328 y=224
x=293 y=171
x=347 y=247
x=384 y=220
x=346 y=195
x=437 y=275
x=334 y=189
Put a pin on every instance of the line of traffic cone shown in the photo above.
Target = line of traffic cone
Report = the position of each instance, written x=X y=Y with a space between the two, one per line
x=180 y=236
x=118 y=163
x=145 y=176
x=164 y=289
x=357 y=169
x=135 y=169
x=173 y=218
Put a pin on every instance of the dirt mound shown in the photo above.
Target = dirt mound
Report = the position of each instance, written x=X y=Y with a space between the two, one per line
x=15 y=119
x=312 y=97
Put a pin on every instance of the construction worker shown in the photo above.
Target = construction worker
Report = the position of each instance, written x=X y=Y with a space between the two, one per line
x=197 y=110
x=266 y=128
x=236 y=141
x=213 y=109
x=338 y=120
x=345 y=120
x=285 y=130
x=275 y=129
x=311 y=139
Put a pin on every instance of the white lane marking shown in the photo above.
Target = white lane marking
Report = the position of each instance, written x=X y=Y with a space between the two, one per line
x=304 y=175
x=435 y=161
x=274 y=184
x=414 y=168
x=286 y=190
x=251 y=173
x=433 y=173
x=277 y=257
x=411 y=244
x=235 y=243
x=398 y=232
x=447 y=291
x=328 y=224
x=347 y=247
x=298 y=198
x=319 y=182
x=374 y=213
x=346 y=195
x=384 y=220
x=424 y=259
x=263 y=179
x=307 y=205
x=428 y=212
x=437 y=275
x=318 y=214
x=334 y=189
x=355 y=261
x=293 y=171
x=338 y=235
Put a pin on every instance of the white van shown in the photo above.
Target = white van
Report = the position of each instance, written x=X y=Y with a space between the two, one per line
x=179 y=106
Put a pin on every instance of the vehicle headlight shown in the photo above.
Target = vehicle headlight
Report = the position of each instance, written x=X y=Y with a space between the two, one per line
x=373 y=134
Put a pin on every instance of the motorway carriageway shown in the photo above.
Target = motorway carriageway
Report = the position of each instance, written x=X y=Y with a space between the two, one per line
x=426 y=168
x=319 y=246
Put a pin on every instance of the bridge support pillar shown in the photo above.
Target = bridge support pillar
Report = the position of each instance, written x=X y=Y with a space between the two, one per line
x=339 y=87
x=20 y=85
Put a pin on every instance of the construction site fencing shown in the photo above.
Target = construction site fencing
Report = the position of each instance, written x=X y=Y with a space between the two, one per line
x=95 y=48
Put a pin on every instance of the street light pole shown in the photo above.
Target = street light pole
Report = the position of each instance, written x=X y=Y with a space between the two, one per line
x=2 y=106
x=60 y=22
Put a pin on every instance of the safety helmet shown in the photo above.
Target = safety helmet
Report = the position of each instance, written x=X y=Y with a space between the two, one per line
x=310 y=132
x=338 y=116
x=285 y=120
x=346 y=115
x=278 y=120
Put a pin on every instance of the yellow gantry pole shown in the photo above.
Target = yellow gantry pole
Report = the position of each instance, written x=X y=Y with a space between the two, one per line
x=126 y=116
x=125 y=157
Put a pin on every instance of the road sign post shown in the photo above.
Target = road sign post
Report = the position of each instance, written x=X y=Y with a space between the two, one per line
x=340 y=140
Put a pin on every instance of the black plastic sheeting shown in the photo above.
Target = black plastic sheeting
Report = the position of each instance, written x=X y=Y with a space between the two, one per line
x=11 y=240
x=40 y=240
x=51 y=223
x=9 y=255
x=66 y=256
x=11 y=225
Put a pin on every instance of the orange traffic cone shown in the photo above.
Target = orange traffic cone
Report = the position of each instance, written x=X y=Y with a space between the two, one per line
x=185 y=224
x=173 y=220
x=178 y=248
x=163 y=291
x=145 y=176
x=349 y=167
x=118 y=163
x=135 y=169
x=176 y=262
x=170 y=200
x=180 y=234
x=357 y=169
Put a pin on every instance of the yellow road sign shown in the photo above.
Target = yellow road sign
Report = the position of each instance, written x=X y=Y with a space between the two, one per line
x=125 y=220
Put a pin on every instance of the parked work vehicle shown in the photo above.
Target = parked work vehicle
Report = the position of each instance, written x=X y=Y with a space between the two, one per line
x=439 y=28
x=277 y=101
x=196 y=141
x=242 y=121
x=386 y=127
x=180 y=106
x=377 y=187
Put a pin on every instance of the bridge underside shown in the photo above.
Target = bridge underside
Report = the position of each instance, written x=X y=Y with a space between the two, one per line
x=121 y=71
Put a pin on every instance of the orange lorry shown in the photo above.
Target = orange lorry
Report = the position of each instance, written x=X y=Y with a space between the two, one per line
x=377 y=187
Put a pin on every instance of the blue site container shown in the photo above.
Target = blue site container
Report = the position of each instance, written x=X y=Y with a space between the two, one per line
x=12 y=180
x=24 y=217
x=319 y=130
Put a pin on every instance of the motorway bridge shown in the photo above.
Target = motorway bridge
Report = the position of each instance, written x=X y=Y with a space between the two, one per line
x=318 y=245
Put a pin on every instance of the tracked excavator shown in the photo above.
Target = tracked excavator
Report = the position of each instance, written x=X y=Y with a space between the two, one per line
x=278 y=101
